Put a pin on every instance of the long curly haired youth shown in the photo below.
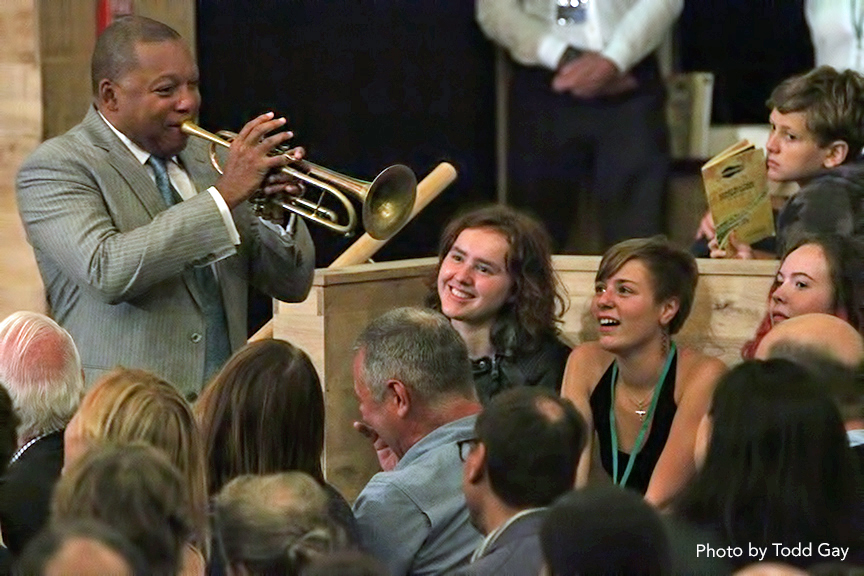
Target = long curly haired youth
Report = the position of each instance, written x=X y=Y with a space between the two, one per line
x=539 y=298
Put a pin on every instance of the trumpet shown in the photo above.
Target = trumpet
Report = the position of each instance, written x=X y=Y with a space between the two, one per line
x=387 y=200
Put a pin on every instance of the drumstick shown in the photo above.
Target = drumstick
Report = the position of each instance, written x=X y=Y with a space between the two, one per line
x=427 y=190
x=364 y=247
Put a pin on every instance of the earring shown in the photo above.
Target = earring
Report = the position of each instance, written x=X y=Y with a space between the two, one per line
x=666 y=340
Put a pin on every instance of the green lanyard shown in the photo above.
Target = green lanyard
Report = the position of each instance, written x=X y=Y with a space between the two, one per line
x=637 y=446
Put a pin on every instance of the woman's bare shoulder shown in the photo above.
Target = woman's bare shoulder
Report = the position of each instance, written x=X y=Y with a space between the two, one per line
x=585 y=367
x=698 y=371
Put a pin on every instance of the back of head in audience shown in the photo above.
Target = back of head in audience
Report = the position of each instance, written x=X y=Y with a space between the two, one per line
x=273 y=524
x=41 y=369
x=418 y=348
x=138 y=492
x=775 y=569
x=776 y=464
x=831 y=350
x=528 y=445
x=831 y=101
x=263 y=413
x=604 y=530
x=536 y=299
x=133 y=405
x=821 y=334
x=8 y=430
x=82 y=547
x=347 y=562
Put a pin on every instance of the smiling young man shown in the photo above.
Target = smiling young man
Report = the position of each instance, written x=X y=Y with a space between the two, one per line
x=816 y=141
x=145 y=251
x=496 y=284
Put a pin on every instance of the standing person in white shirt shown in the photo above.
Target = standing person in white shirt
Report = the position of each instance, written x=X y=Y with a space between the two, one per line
x=585 y=109
x=837 y=32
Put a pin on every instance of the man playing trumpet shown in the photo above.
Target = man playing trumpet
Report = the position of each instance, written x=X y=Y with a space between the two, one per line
x=146 y=252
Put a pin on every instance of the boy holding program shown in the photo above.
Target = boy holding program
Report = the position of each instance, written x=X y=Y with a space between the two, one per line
x=816 y=140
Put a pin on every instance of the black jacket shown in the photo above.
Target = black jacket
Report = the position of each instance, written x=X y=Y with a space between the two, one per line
x=540 y=365
x=832 y=202
x=25 y=491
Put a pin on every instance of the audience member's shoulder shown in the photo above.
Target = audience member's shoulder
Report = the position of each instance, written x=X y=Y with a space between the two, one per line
x=378 y=487
x=824 y=187
x=548 y=346
x=61 y=149
x=688 y=545
x=698 y=370
x=556 y=343
x=585 y=368
x=589 y=359
x=851 y=173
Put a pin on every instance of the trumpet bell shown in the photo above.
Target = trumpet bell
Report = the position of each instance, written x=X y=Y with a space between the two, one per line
x=389 y=201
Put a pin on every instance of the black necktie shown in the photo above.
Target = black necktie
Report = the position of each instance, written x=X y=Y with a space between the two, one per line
x=217 y=345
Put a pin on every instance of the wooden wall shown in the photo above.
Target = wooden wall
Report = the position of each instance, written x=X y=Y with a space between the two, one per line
x=20 y=113
x=20 y=130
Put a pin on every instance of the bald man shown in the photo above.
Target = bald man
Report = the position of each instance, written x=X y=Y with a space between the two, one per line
x=817 y=341
x=822 y=334
x=833 y=351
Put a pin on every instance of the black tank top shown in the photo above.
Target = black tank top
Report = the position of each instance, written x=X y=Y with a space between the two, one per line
x=646 y=459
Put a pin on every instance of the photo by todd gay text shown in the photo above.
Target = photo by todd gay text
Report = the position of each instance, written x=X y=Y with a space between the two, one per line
x=800 y=550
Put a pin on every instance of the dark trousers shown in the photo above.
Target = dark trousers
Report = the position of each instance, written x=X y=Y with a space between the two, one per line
x=614 y=149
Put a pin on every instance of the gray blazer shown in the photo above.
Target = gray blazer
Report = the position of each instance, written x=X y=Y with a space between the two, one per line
x=116 y=263
x=516 y=551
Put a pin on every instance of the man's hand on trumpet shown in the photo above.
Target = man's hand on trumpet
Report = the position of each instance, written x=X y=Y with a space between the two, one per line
x=250 y=160
x=280 y=186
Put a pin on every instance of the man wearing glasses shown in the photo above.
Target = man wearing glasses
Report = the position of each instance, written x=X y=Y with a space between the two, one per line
x=524 y=455
x=413 y=381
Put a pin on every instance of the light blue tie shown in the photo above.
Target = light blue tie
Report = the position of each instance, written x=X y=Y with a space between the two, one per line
x=217 y=345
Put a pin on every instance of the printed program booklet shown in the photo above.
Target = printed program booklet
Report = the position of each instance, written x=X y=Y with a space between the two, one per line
x=736 y=185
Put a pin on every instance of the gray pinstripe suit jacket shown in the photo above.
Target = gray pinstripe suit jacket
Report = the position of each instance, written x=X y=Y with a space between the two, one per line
x=117 y=264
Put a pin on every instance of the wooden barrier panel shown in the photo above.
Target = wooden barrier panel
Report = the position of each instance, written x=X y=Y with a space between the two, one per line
x=730 y=301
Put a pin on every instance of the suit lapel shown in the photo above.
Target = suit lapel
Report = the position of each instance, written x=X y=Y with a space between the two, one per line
x=195 y=161
x=141 y=185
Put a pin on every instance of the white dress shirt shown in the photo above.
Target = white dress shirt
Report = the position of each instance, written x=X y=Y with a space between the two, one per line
x=624 y=31
x=836 y=28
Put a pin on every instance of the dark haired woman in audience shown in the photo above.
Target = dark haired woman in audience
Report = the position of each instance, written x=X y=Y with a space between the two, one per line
x=643 y=395
x=819 y=273
x=774 y=467
x=496 y=284
x=263 y=413
x=604 y=530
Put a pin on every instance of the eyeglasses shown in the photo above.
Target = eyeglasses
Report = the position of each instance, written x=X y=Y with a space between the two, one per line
x=465 y=447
